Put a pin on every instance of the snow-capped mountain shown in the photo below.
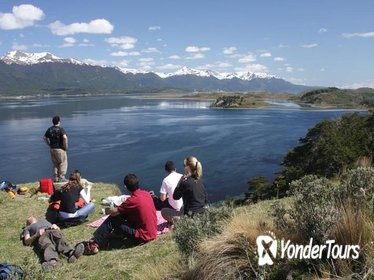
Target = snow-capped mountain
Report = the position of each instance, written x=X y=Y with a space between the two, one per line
x=45 y=71
x=24 y=58
x=246 y=76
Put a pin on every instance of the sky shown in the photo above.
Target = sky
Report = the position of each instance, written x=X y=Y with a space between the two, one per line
x=316 y=43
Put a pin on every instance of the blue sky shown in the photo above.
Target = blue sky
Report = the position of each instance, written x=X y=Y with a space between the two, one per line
x=319 y=42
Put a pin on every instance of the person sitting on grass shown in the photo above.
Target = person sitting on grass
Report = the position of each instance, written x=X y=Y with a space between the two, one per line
x=69 y=194
x=191 y=189
x=135 y=218
x=49 y=242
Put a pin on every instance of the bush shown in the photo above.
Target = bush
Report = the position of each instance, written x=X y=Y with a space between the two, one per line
x=358 y=186
x=313 y=210
x=189 y=232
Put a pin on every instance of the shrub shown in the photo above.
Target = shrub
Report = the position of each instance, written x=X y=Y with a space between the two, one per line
x=189 y=232
x=358 y=186
x=313 y=209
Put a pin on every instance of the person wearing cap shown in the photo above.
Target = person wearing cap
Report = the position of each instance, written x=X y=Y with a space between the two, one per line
x=57 y=140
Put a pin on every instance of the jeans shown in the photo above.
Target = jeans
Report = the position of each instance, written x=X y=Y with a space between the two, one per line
x=86 y=210
x=119 y=224
x=82 y=212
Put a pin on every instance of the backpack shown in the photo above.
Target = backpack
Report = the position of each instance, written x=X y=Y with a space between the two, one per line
x=11 y=271
x=46 y=185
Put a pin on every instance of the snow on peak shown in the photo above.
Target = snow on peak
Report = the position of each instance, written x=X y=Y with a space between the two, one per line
x=24 y=58
x=221 y=76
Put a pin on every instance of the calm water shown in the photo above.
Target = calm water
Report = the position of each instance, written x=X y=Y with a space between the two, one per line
x=112 y=136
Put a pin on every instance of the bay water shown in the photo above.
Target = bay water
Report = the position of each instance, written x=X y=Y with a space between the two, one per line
x=110 y=136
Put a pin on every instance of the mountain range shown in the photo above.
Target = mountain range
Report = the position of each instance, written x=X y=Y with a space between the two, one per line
x=44 y=73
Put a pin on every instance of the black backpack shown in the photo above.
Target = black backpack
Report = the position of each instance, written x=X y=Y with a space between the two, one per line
x=11 y=271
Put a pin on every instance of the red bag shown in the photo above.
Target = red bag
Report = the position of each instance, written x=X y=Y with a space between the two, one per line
x=46 y=185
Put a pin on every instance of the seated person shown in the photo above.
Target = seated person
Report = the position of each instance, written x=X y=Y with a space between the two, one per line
x=68 y=195
x=87 y=185
x=168 y=186
x=135 y=218
x=49 y=242
x=191 y=189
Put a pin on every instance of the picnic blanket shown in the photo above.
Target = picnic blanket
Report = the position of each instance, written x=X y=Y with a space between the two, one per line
x=162 y=225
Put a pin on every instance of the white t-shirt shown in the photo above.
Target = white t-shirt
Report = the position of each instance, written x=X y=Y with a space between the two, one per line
x=168 y=186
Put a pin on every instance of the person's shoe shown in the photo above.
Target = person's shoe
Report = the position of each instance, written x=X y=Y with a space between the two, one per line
x=92 y=248
x=78 y=251
x=49 y=265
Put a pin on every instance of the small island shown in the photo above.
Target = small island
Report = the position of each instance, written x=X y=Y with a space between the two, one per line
x=326 y=98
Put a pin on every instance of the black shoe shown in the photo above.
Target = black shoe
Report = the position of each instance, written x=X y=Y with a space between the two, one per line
x=78 y=251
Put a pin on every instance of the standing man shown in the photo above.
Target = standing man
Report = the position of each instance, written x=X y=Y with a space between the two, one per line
x=57 y=140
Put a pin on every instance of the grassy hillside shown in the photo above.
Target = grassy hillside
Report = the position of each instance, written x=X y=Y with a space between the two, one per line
x=135 y=263
x=339 y=98
x=231 y=254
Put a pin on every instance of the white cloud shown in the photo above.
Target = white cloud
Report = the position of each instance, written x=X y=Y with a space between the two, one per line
x=22 y=16
x=196 y=56
x=153 y=28
x=85 y=43
x=322 y=30
x=96 y=26
x=247 y=58
x=18 y=47
x=322 y=69
x=300 y=69
x=308 y=46
x=174 y=56
x=70 y=40
x=265 y=54
x=278 y=58
x=252 y=68
x=362 y=35
x=289 y=69
x=146 y=59
x=125 y=42
x=169 y=66
x=151 y=50
x=223 y=64
x=36 y=45
x=124 y=53
x=229 y=50
x=194 y=49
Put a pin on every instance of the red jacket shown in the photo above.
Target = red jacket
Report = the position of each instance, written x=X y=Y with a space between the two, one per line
x=140 y=211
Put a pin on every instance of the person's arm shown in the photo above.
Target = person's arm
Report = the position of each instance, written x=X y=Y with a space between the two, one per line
x=30 y=239
x=163 y=196
x=46 y=140
x=65 y=141
x=178 y=192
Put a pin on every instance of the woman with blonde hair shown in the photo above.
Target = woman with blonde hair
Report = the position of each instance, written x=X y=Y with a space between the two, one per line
x=69 y=194
x=191 y=188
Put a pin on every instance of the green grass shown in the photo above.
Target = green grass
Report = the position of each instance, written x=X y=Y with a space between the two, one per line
x=156 y=260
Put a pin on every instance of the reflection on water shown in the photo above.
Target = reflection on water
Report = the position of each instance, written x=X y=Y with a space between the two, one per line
x=113 y=135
